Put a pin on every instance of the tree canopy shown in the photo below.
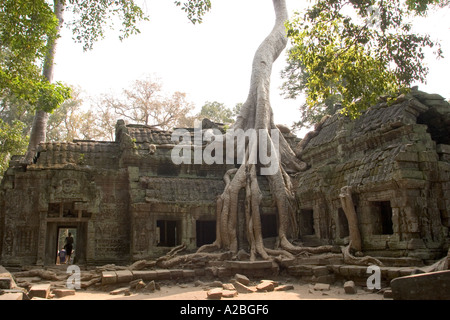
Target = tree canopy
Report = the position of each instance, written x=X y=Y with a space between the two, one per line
x=356 y=50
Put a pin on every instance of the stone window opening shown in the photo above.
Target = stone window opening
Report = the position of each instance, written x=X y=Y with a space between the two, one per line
x=169 y=233
x=68 y=210
x=306 y=222
x=382 y=218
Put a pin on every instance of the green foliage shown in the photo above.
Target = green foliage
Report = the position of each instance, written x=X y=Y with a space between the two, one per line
x=420 y=7
x=92 y=17
x=25 y=30
x=12 y=141
x=195 y=9
x=216 y=112
x=357 y=50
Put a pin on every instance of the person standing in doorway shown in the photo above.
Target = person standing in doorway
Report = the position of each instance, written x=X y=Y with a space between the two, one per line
x=69 y=247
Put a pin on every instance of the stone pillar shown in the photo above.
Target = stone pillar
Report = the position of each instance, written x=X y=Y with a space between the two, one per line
x=40 y=258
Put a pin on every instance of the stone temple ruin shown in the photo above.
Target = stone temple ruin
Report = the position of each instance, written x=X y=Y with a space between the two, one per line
x=128 y=201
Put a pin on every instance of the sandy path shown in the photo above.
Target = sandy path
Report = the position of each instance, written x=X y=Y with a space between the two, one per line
x=190 y=292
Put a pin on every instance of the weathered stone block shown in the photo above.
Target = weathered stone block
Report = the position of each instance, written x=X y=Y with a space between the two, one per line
x=265 y=286
x=228 y=286
x=163 y=274
x=320 y=271
x=11 y=296
x=426 y=286
x=350 y=288
x=109 y=277
x=241 y=288
x=60 y=293
x=242 y=279
x=300 y=270
x=188 y=273
x=284 y=287
x=321 y=287
x=214 y=294
x=124 y=276
x=249 y=264
x=176 y=274
x=39 y=291
x=5 y=283
x=125 y=291
x=146 y=275
x=229 y=293
x=329 y=279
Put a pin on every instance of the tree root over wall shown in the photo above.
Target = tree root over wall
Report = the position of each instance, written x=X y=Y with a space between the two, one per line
x=256 y=116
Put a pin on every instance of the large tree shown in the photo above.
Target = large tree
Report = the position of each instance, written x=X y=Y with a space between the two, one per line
x=90 y=18
x=357 y=50
x=256 y=115
x=146 y=103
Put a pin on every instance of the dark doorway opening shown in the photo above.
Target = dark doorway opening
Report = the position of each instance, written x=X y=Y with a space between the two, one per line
x=205 y=232
x=306 y=222
x=269 y=225
x=61 y=255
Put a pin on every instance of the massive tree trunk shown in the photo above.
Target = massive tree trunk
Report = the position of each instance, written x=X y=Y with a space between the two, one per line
x=256 y=114
x=349 y=209
x=39 y=128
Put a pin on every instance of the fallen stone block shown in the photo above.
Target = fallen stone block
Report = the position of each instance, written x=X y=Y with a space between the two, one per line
x=425 y=286
x=39 y=291
x=125 y=291
x=265 y=286
x=228 y=286
x=241 y=288
x=135 y=283
x=151 y=286
x=60 y=293
x=321 y=287
x=214 y=294
x=229 y=293
x=350 y=288
x=11 y=296
x=284 y=287
x=241 y=279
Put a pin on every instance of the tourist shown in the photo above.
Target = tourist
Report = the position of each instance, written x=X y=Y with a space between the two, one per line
x=69 y=247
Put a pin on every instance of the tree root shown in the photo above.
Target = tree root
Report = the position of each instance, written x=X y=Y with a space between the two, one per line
x=171 y=259
x=359 y=261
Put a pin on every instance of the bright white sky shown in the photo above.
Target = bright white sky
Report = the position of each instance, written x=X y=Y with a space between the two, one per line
x=211 y=61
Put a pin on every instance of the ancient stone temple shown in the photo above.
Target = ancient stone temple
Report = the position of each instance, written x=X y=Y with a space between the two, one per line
x=396 y=159
x=127 y=200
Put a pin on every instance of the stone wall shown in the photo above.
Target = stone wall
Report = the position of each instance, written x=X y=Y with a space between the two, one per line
x=129 y=201
x=395 y=158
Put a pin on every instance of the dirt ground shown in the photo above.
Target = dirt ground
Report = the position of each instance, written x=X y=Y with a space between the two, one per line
x=189 y=291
